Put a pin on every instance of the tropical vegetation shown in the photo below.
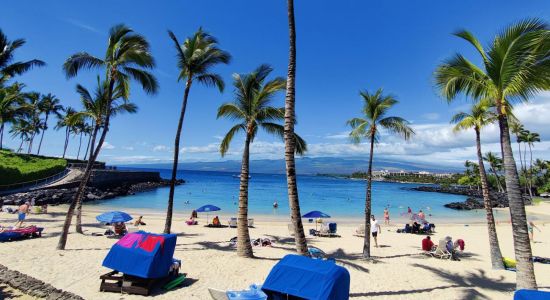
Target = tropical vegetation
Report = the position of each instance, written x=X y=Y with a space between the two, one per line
x=374 y=118
x=18 y=168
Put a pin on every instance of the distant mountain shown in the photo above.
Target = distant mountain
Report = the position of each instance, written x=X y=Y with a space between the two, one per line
x=306 y=165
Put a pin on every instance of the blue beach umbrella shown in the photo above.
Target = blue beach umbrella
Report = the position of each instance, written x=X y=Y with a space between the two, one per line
x=114 y=217
x=315 y=214
x=208 y=208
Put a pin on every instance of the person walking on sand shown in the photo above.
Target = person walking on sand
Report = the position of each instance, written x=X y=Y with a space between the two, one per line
x=386 y=216
x=375 y=230
x=22 y=214
x=530 y=227
x=409 y=212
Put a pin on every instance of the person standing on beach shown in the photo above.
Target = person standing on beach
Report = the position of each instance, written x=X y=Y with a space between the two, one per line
x=22 y=213
x=530 y=228
x=375 y=229
x=409 y=212
x=386 y=216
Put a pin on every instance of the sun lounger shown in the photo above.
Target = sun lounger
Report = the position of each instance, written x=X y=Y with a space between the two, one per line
x=360 y=231
x=328 y=230
x=291 y=229
x=250 y=222
x=20 y=233
x=441 y=250
x=233 y=222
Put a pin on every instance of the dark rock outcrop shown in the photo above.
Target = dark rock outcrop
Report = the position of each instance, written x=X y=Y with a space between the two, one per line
x=32 y=286
x=65 y=195
x=474 y=200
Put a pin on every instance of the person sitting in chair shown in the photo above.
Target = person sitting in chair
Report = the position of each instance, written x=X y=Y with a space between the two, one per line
x=427 y=244
x=216 y=222
x=120 y=228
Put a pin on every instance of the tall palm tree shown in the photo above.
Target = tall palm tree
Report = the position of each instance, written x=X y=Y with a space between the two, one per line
x=495 y=165
x=517 y=129
x=127 y=57
x=32 y=111
x=290 y=141
x=8 y=68
x=23 y=129
x=49 y=104
x=95 y=109
x=515 y=67
x=251 y=108
x=479 y=117
x=530 y=138
x=374 y=119
x=11 y=100
x=64 y=122
x=197 y=56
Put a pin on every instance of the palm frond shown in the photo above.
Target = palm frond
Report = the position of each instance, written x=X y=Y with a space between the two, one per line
x=210 y=79
x=81 y=60
x=226 y=141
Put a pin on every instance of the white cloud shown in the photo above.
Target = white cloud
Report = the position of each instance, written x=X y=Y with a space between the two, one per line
x=128 y=148
x=210 y=148
x=161 y=148
x=431 y=116
x=338 y=136
x=107 y=146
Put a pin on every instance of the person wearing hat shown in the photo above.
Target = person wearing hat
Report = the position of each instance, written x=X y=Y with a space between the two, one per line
x=22 y=214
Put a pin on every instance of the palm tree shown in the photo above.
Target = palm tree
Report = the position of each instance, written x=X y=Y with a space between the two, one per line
x=517 y=129
x=64 y=122
x=11 y=100
x=252 y=111
x=495 y=165
x=49 y=104
x=95 y=108
x=23 y=129
x=530 y=138
x=196 y=57
x=127 y=57
x=32 y=113
x=290 y=141
x=374 y=118
x=9 y=69
x=479 y=117
x=515 y=67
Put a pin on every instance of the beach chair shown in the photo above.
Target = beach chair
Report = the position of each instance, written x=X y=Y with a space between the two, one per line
x=217 y=294
x=360 y=231
x=232 y=222
x=251 y=222
x=441 y=250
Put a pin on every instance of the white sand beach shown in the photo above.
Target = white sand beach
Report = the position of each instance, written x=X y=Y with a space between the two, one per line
x=399 y=270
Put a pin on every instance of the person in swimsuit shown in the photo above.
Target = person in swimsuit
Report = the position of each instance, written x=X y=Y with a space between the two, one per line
x=22 y=214
x=530 y=226
x=386 y=216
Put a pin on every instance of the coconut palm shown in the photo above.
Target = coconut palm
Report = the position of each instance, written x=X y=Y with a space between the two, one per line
x=49 y=104
x=196 y=57
x=8 y=68
x=374 y=118
x=251 y=108
x=23 y=129
x=63 y=121
x=127 y=58
x=31 y=111
x=290 y=142
x=95 y=109
x=517 y=129
x=530 y=138
x=514 y=68
x=495 y=165
x=11 y=100
x=479 y=117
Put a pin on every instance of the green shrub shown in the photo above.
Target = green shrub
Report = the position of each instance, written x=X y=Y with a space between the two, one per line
x=18 y=168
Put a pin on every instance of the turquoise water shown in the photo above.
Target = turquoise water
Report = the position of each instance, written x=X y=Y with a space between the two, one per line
x=340 y=198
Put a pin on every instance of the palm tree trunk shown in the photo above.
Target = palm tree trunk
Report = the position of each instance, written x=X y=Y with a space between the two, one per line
x=1 y=134
x=88 y=146
x=244 y=248
x=496 y=255
x=368 y=201
x=530 y=172
x=20 y=145
x=525 y=275
x=43 y=131
x=290 y=142
x=169 y=210
x=66 y=141
x=499 y=184
x=79 y=145
x=87 y=173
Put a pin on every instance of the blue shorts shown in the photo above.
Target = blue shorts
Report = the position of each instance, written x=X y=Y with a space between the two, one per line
x=21 y=216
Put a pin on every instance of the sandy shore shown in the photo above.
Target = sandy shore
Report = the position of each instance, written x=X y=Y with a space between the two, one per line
x=399 y=271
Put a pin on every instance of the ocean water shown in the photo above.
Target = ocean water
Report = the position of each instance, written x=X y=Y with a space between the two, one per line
x=340 y=198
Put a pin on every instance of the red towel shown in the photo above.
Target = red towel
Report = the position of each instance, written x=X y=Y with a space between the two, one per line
x=150 y=242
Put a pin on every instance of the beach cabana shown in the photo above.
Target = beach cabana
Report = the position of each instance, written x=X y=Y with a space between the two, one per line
x=531 y=295
x=307 y=278
x=207 y=209
x=144 y=258
x=315 y=214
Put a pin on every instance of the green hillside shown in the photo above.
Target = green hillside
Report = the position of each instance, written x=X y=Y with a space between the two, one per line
x=17 y=168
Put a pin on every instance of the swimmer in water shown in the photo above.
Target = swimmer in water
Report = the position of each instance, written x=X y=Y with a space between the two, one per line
x=275 y=204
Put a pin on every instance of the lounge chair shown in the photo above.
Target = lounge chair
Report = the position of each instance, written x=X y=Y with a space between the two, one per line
x=233 y=222
x=251 y=222
x=218 y=294
x=20 y=233
x=254 y=292
x=360 y=231
x=441 y=250
x=328 y=230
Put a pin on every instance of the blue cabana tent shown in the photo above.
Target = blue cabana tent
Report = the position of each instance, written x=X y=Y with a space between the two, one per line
x=307 y=278
x=531 y=295
x=142 y=254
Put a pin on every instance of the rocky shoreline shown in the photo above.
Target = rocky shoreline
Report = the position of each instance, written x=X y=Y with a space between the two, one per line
x=65 y=195
x=474 y=200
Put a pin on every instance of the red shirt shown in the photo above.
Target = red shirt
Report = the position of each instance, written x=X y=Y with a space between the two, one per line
x=427 y=244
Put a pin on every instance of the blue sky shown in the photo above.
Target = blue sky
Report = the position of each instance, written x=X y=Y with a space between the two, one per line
x=343 y=47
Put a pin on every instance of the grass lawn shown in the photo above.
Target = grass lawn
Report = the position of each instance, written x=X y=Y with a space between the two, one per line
x=18 y=168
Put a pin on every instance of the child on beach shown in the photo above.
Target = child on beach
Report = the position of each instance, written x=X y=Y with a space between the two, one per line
x=530 y=226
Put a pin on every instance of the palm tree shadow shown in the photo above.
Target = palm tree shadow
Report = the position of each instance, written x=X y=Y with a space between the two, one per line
x=347 y=259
